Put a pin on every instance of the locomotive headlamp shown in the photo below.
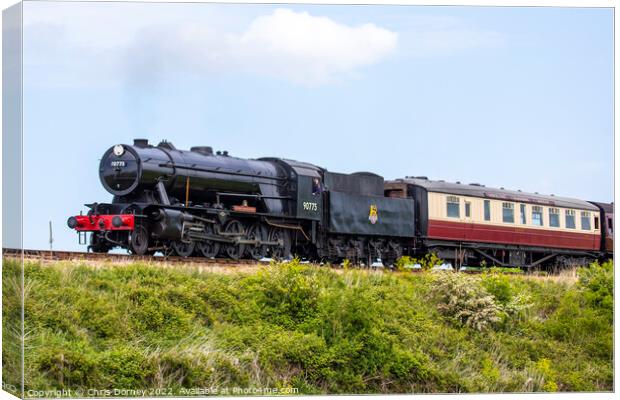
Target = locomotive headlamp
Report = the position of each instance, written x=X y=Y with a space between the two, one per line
x=118 y=150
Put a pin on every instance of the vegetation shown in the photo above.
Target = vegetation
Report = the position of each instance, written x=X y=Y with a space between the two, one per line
x=426 y=263
x=299 y=326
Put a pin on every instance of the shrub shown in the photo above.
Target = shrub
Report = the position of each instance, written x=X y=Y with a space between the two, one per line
x=150 y=313
x=463 y=300
x=518 y=306
x=499 y=286
x=597 y=285
x=124 y=367
x=68 y=366
x=427 y=262
x=543 y=366
x=287 y=293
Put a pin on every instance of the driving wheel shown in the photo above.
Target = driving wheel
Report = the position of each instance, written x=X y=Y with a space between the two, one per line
x=281 y=250
x=183 y=249
x=140 y=240
x=234 y=229
x=257 y=232
x=208 y=248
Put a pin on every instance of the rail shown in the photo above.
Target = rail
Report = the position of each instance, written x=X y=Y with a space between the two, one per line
x=56 y=255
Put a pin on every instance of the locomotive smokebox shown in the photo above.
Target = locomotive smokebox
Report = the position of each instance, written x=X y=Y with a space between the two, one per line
x=120 y=170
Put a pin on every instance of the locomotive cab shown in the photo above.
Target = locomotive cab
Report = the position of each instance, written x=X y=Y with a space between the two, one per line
x=306 y=188
x=309 y=197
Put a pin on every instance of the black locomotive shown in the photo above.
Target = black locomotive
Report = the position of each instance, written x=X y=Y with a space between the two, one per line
x=199 y=203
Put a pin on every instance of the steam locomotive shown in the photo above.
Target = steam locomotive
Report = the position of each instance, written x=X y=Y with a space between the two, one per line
x=208 y=204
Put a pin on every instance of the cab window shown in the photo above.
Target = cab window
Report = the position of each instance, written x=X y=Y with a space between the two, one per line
x=316 y=186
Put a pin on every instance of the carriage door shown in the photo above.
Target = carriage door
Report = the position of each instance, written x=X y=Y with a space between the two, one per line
x=609 y=239
x=467 y=216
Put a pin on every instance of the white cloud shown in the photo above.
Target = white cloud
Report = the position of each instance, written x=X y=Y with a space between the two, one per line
x=310 y=49
x=300 y=47
x=295 y=46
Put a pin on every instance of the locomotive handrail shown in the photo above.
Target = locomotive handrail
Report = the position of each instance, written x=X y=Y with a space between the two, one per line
x=217 y=171
x=255 y=196
x=174 y=172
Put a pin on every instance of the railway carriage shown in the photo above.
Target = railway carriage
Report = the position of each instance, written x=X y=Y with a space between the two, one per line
x=470 y=223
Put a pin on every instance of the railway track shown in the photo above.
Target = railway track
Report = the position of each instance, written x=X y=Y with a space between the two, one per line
x=47 y=255
x=84 y=256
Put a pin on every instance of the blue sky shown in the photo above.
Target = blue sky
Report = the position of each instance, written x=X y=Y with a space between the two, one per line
x=514 y=97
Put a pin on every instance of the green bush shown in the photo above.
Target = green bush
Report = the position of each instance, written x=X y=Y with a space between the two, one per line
x=597 y=284
x=124 y=367
x=427 y=262
x=463 y=300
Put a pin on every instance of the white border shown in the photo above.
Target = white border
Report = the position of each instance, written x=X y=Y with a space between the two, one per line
x=488 y=3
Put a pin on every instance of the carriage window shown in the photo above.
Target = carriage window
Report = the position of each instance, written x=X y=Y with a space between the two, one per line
x=523 y=218
x=316 y=186
x=610 y=224
x=508 y=212
x=570 y=219
x=554 y=217
x=585 y=221
x=537 y=215
x=453 y=207
x=595 y=223
x=487 y=210
x=468 y=209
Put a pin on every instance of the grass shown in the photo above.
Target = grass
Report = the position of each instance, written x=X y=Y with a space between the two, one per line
x=141 y=326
